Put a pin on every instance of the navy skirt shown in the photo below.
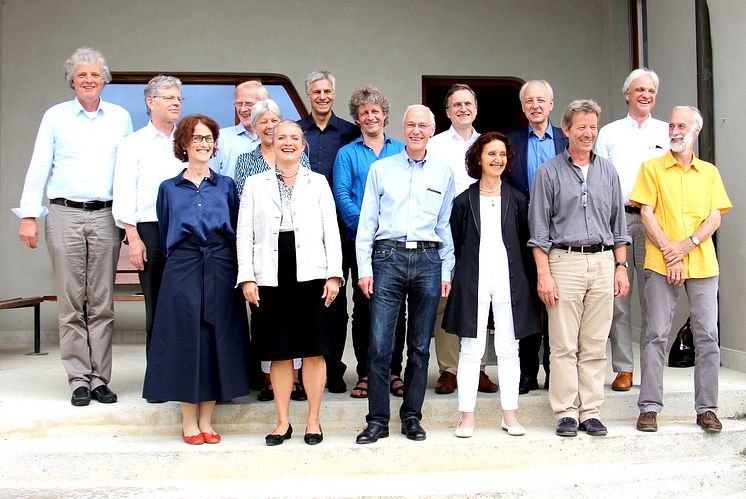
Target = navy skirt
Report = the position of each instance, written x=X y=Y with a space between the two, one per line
x=198 y=349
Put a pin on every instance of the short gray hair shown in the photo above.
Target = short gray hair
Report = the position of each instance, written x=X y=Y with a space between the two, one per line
x=86 y=55
x=319 y=75
x=419 y=106
x=369 y=94
x=698 y=120
x=639 y=73
x=522 y=91
x=263 y=93
x=262 y=107
x=290 y=122
x=579 y=106
x=158 y=83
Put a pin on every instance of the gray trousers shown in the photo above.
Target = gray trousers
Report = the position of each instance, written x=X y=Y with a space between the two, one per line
x=703 y=309
x=84 y=249
x=620 y=336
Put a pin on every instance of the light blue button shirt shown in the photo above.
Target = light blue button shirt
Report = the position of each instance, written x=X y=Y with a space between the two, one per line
x=233 y=141
x=74 y=155
x=406 y=200
x=539 y=150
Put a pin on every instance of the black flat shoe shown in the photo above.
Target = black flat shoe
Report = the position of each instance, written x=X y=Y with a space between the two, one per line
x=81 y=396
x=527 y=384
x=273 y=439
x=336 y=385
x=413 y=430
x=298 y=393
x=266 y=393
x=314 y=438
x=372 y=433
x=103 y=395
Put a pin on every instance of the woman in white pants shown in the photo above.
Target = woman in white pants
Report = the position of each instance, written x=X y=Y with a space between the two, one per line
x=493 y=272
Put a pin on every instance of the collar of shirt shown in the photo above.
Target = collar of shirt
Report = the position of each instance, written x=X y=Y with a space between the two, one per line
x=212 y=178
x=632 y=123
x=455 y=136
x=332 y=124
x=670 y=161
x=241 y=130
x=361 y=141
x=548 y=133
x=154 y=132
x=571 y=162
x=78 y=108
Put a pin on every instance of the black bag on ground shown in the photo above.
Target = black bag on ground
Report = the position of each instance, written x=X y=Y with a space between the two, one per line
x=682 y=350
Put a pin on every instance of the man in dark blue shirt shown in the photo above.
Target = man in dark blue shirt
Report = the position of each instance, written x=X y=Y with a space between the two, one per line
x=325 y=134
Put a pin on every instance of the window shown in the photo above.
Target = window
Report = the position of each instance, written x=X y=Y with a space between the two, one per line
x=211 y=95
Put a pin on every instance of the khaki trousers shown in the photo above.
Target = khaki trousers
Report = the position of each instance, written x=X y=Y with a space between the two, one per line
x=84 y=249
x=578 y=328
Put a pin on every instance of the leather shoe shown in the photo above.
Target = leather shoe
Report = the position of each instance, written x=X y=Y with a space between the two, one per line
x=622 y=382
x=336 y=385
x=413 y=430
x=298 y=393
x=485 y=383
x=103 y=395
x=647 y=421
x=211 y=438
x=81 y=396
x=446 y=383
x=593 y=427
x=266 y=393
x=709 y=422
x=314 y=438
x=372 y=433
x=527 y=384
x=273 y=439
x=567 y=427
x=154 y=401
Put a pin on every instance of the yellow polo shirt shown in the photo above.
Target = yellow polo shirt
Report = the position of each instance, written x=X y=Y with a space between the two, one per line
x=681 y=200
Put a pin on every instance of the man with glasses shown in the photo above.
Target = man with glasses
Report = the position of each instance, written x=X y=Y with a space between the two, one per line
x=74 y=158
x=404 y=248
x=450 y=148
x=241 y=138
x=579 y=240
x=144 y=160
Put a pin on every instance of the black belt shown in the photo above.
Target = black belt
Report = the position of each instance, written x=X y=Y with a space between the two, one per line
x=82 y=205
x=631 y=209
x=588 y=248
x=409 y=244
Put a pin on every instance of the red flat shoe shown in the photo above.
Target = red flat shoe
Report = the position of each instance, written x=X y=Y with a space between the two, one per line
x=211 y=438
x=197 y=439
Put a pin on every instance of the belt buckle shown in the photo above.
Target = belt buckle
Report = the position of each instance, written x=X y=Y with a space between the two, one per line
x=87 y=205
x=410 y=244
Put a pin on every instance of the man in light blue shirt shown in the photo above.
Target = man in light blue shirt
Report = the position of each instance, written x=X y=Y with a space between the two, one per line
x=404 y=247
x=74 y=157
x=241 y=138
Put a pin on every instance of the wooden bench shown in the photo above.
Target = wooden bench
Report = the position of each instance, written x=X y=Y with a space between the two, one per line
x=35 y=302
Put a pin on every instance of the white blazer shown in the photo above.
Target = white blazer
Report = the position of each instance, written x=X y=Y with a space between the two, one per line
x=318 y=249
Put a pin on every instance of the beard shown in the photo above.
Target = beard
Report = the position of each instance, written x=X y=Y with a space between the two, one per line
x=686 y=142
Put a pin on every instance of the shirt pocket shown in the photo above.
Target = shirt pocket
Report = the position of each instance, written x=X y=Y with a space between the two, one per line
x=432 y=200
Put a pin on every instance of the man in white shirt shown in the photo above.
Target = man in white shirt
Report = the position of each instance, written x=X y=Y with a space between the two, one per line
x=450 y=148
x=241 y=138
x=74 y=157
x=628 y=143
x=144 y=160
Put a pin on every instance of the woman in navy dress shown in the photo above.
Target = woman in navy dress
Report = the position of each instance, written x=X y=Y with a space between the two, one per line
x=198 y=354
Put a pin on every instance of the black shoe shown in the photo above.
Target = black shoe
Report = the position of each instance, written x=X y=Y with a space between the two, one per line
x=153 y=401
x=273 y=439
x=527 y=384
x=103 y=395
x=298 y=393
x=593 y=427
x=314 y=438
x=413 y=430
x=336 y=385
x=372 y=433
x=266 y=393
x=567 y=427
x=81 y=396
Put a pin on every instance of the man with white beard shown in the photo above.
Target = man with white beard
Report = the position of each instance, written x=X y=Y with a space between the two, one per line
x=681 y=199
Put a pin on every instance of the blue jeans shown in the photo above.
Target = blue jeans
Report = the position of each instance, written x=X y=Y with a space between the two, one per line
x=415 y=273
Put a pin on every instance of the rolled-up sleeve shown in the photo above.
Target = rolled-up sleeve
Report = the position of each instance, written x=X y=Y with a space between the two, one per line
x=540 y=210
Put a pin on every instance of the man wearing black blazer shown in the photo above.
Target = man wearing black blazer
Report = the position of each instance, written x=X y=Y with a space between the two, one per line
x=539 y=142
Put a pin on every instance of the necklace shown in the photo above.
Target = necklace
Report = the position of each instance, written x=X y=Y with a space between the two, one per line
x=496 y=189
x=288 y=176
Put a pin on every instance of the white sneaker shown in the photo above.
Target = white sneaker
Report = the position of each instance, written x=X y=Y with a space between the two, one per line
x=464 y=432
x=515 y=431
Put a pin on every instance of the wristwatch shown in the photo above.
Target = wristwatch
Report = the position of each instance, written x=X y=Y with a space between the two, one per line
x=695 y=240
x=621 y=264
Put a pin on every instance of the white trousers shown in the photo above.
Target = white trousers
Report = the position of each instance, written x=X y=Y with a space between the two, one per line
x=506 y=348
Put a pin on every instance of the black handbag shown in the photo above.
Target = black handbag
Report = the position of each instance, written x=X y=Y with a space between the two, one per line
x=682 y=350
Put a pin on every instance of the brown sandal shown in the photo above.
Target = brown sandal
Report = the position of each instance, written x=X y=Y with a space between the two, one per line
x=396 y=386
x=361 y=389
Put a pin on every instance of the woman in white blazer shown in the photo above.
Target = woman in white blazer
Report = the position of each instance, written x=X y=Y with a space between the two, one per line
x=290 y=270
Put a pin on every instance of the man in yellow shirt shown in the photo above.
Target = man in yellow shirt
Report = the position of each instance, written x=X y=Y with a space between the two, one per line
x=681 y=200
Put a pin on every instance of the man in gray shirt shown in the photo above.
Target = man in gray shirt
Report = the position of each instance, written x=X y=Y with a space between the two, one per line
x=579 y=239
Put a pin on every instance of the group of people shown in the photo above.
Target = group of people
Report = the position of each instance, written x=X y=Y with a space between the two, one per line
x=520 y=239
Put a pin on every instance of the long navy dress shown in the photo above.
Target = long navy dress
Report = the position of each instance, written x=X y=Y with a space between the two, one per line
x=198 y=349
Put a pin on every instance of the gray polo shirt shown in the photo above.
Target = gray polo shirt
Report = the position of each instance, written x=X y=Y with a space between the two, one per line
x=568 y=209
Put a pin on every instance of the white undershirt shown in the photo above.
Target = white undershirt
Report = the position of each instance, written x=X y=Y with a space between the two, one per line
x=494 y=284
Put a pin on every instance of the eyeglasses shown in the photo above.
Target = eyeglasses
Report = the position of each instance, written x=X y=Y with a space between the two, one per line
x=241 y=104
x=410 y=125
x=457 y=105
x=196 y=139
x=169 y=98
